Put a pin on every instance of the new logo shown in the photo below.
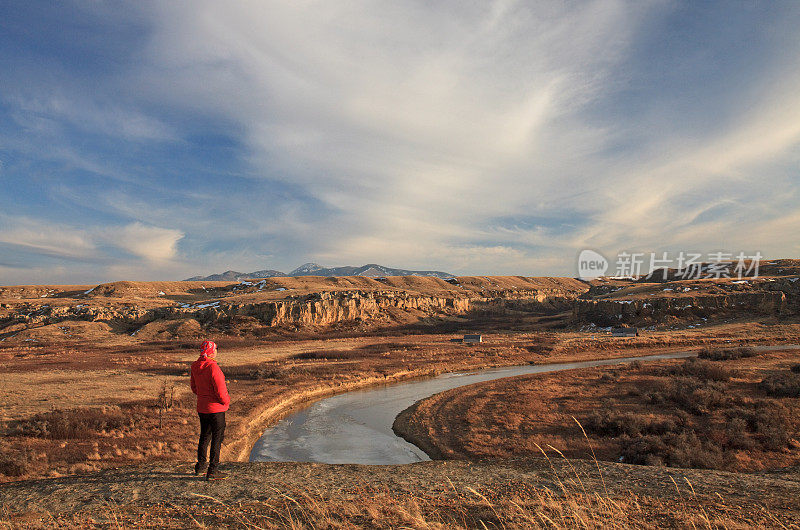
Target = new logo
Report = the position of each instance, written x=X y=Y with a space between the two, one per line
x=591 y=265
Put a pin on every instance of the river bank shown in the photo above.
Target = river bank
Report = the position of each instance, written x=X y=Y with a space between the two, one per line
x=356 y=426
x=126 y=405
x=738 y=412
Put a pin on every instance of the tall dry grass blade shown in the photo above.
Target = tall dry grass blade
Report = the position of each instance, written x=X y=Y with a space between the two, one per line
x=577 y=476
x=237 y=514
x=291 y=499
x=542 y=502
x=113 y=510
x=289 y=516
x=699 y=504
x=489 y=504
x=558 y=477
x=574 y=471
x=547 y=519
x=522 y=511
x=683 y=502
x=188 y=513
x=576 y=515
x=458 y=495
x=286 y=517
x=778 y=521
x=209 y=497
x=594 y=457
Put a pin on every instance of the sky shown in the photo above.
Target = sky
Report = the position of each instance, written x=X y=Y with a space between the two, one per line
x=161 y=140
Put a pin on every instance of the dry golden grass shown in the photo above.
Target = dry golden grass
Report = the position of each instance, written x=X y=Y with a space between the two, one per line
x=550 y=492
x=569 y=504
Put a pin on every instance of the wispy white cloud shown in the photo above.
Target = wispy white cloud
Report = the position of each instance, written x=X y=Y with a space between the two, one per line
x=495 y=137
x=148 y=242
x=659 y=202
x=413 y=122
x=51 y=109
x=148 y=245
x=46 y=239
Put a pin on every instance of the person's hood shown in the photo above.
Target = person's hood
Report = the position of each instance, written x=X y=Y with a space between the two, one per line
x=204 y=361
x=209 y=347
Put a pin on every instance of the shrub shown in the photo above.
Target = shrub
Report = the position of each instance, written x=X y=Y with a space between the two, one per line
x=726 y=354
x=769 y=421
x=773 y=427
x=385 y=347
x=795 y=369
x=71 y=424
x=329 y=354
x=266 y=372
x=540 y=349
x=608 y=423
x=609 y=377
x=182 y=346
x=647 y=450
x=684 y=449
x=687 y=450
x=368 y=350
x=704 y=370
x=307 y=355
x=691 y=394
x=705 y=399
x=252 y=372
x=781 y=384
x=11 y=467
x=736 y=432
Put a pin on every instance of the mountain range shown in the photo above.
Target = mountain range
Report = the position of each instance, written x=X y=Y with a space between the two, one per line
x=371 y=270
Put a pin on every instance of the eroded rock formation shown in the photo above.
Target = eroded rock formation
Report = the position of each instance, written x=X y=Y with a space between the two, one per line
x=772 y=296
x=150 y=310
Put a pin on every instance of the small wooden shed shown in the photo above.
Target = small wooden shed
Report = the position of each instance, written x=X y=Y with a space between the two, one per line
x=625 y=332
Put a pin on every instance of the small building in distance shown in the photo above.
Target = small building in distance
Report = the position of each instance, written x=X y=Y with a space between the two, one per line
x=472 y=339
x=625 y=332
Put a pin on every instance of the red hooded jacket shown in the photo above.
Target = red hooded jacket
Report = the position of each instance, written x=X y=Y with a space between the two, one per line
x=208 y=382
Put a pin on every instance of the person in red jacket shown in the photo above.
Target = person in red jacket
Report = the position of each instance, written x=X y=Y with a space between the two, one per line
x=208 y=382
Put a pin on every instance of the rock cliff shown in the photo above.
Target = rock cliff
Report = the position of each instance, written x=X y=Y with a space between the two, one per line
x=153 y=310
x=776 y=297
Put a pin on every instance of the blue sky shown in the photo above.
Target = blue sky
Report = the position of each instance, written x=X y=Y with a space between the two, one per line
x=159 y=140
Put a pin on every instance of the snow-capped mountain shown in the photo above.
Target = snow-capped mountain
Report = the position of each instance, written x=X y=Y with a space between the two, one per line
x=371 y=270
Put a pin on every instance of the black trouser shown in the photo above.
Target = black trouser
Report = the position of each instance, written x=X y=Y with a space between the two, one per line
x=212 y=429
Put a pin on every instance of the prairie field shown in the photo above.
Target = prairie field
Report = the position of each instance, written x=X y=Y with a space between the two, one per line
x=106 y=404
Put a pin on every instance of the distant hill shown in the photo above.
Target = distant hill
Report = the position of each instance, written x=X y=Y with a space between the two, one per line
x=371 y=270
x=233 y=276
